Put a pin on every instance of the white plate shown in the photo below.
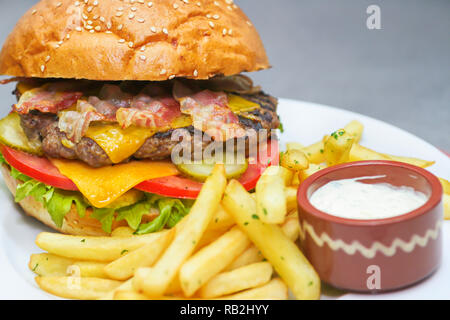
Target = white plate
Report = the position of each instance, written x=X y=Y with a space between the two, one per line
x=303 y=122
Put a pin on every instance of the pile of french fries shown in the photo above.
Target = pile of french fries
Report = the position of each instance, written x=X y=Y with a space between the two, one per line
x=232 y=245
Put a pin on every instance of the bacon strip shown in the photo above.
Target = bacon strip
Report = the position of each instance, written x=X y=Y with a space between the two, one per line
x=47 y=100
x=149 y=112
x=76 y=123
x=210 y=113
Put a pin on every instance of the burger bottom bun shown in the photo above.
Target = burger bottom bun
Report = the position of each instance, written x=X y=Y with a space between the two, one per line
x=73 y=224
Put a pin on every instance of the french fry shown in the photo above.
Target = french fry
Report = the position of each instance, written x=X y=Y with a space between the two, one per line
x=276 y=247
x=446 y=201
x=174 y=286
x=155 y=280
x=249 y=256
x=122 y=232
x=103 y=249
x=77 y=287
x=314 y=152
x=274 y=290
x=360 y=153
x=414 y=161
x=313 y=168
x=211 y=260
x=355 y=129
x=47 y=264
x=124 y=286
x=221 y=220
x=250 y=276
x=291 y=226
x=91 y=269
x=129 y=295
x=124 y=267
x=337 y=147
x=291 y=198
x=209 y=236
x=294 y=159
x=270 y=194
x=445 y=185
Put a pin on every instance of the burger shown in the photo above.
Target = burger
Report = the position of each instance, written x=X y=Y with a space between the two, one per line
x=102 y=87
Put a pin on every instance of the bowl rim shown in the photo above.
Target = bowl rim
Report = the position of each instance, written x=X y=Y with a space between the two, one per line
x=434 y=199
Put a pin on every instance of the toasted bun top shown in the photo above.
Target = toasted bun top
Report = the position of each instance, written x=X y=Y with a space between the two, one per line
x=132 y=40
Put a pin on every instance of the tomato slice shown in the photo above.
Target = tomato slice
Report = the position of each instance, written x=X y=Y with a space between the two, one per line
x=41 y=169
x=38 y=168
x=185 y=188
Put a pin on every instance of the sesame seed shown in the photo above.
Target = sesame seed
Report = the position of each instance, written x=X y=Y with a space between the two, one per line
x=141 y=20
x=102 y=19
x=216 y=16
x=85 y=17
x=119 y=27
x=95 y=17
x=68 y=36
x=165 y=31
x=175 y=6
x=131 y=16
x=120 y=8
x=143 y=48
x=122 y=40
x=229 y=1
x=90 y=8
x=119 y=14
x=34 y=11
x=108 y=25
x=211 y=24
x=130 y=44
x=195 y=73
x=208 y=16
x=153 y=29
x=89 y=27
x=229 y=8
x=59 y=4
x=92 y=31
x=171 y=76
x=249 y=23
x=216 y=3
x=86 y=1
x=89 y=22
x=143 y=57
x=77 y=3
x=47 y=58
x=98 y=28
x=78 y=28
x=150 y=4
x=95 y=3
x=141 y=1
x=163 y=71
x=42 y=68
x=224 y=31
x=199 y=4
x=133 y=9
x=230 y=32
x=60 y=42
x=57 y=46
x=186 y=1
x=108 y=31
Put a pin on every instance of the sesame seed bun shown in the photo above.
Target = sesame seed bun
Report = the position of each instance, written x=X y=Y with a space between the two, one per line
x=72 y=223
x=132 y=40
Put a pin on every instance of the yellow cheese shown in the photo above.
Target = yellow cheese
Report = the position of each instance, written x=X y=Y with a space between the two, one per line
x=118 y=143
x=101 y=186
x=238 y=104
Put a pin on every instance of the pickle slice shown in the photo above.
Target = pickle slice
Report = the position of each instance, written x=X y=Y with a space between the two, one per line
x=12 y=135
x=201 y=171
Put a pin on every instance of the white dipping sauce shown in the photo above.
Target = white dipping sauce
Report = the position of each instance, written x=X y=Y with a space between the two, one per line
x=351 y=199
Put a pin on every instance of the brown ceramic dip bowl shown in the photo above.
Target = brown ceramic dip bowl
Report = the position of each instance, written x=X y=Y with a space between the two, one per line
x=373 y=255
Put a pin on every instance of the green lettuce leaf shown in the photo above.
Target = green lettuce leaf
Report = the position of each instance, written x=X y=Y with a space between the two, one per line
x=105 y=216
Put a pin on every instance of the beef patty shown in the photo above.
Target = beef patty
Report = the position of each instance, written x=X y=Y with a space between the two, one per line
x=45 y=127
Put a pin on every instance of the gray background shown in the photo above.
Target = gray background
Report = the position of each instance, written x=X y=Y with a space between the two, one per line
x=321 y=51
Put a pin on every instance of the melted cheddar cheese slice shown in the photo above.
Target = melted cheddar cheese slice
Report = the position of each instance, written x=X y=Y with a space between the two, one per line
x=119 y=144
x=101 y=186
